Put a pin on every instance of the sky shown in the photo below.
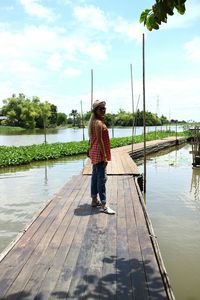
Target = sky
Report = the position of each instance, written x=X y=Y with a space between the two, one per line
x=49 y=49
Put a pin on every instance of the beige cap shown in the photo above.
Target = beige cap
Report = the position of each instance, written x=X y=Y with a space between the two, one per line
x=97 y=103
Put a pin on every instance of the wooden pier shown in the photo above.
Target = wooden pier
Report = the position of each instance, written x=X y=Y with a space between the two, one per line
x=74 y=251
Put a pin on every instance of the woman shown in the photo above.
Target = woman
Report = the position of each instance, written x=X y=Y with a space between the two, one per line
x=99 y=154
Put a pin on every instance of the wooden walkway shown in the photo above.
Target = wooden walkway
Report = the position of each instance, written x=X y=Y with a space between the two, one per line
x=74 y=251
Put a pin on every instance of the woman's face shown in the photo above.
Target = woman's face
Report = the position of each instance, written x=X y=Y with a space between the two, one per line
x=100 y=111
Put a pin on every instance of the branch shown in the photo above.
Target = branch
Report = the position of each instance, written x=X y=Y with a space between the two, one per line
x=152 y=18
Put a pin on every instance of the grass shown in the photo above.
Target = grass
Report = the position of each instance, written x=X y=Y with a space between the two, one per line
x=10 y=129
x=11 y=155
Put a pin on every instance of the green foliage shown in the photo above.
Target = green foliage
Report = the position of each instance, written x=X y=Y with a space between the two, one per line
x=27 y=113
x=124 y=118
x=10 y=129
x=10 y=156
x=61 y=119
x=161 y=9
x=110 y=120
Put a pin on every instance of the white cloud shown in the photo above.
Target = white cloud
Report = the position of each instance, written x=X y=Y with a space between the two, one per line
x=96 y=19
x=192 y=49
x=34 y=8
x=55 y=62
x=177 y=95
x=71 y=72
x=98 y=52
x=92 y=16
x=132 y=30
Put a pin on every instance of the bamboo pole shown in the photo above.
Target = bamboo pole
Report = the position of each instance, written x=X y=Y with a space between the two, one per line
x=132 y=99
x=91 y=88
x=144 y=109
x=83 y=126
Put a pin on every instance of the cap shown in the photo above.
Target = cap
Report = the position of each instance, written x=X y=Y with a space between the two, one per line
x=97 y=103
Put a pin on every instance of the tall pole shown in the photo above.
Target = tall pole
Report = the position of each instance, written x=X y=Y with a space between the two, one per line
x=144 y=109
x=83 y=126
x=132 y=98
x=91 y=88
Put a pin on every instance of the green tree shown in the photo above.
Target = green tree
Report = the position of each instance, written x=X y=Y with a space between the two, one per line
x=110 y=120
x=61 y=119
x=28 y=114
x=74 y=115
x=45 y=110
x=161 y=9
x=124 y=118
x=12 y=109
x=87 y=115
x=164 y=120
x=54 y=115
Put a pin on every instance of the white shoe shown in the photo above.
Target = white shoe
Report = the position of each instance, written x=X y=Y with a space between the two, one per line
x=108 y=210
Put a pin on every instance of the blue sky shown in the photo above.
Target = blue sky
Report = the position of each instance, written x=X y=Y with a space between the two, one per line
x=48 y=48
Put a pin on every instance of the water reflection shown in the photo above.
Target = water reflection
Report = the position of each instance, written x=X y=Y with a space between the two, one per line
x=195 y=184
x=26 y=189
x=173 y=203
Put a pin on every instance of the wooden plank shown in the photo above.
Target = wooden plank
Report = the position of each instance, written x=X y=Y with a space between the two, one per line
x=138 y=276
x=121 y=169
x=18 y=257
x=109 y=276
x=124 y=288
x=67 y=270
x=51 y=263
x=153 y=277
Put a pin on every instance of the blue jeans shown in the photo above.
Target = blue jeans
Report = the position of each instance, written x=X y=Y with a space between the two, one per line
x=98 y=182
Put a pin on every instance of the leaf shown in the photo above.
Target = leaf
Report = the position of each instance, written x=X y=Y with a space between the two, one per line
x=180 y=6
x=151 y=23
x=144 y=15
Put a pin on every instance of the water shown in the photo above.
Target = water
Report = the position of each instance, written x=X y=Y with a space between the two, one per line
x=173 y=203
x=68 y=135
x=26 y=189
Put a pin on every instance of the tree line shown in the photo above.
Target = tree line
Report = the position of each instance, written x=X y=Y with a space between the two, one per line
x=32 y=113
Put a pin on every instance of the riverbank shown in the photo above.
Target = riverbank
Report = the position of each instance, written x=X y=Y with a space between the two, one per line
x=11 y=156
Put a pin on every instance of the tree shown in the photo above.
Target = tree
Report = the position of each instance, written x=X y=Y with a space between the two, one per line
x=61 y=119
x=161 y=9
x=28 y=114
x=45 y=110
x=12 y=109
x=54 y=115
x=74 y=115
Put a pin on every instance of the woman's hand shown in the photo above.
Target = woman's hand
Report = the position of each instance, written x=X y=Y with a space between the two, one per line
x=105 y=163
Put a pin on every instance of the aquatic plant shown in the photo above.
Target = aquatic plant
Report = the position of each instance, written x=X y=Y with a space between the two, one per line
x=10 y=156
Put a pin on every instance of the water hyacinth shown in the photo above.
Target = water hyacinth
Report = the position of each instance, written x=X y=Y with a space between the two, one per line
x=10 y=156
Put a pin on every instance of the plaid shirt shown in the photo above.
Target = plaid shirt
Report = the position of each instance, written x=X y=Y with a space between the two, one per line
x=95 y=153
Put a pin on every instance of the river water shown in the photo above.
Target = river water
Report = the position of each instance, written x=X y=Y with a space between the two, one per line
x=173 y=204
x=62 y=135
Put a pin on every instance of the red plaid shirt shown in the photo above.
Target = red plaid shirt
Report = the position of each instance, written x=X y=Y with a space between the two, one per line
x=95 y=153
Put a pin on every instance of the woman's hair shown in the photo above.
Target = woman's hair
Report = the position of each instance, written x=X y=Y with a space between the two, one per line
x=93 y=116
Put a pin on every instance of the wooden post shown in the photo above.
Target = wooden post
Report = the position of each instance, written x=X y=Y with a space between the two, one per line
x=132 y=98
x=144 y=109
x=91 y=88
x=83 y=126
x=113 y=126
x=45 y=132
